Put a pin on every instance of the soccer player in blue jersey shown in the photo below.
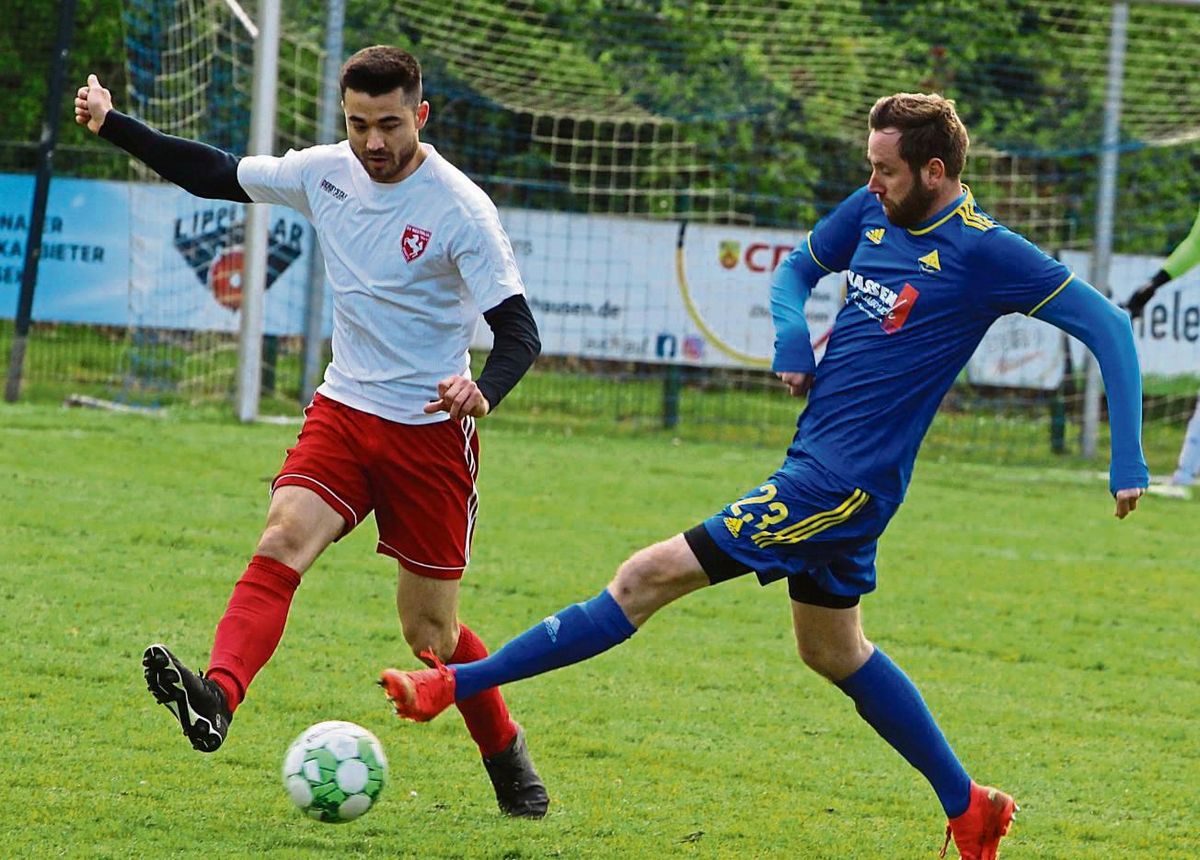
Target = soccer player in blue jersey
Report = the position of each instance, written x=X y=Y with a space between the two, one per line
x=928 y=273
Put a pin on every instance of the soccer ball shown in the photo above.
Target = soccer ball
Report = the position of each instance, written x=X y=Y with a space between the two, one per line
x=335 y=771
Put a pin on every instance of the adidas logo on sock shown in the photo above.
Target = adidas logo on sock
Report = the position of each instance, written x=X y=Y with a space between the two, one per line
x=552 y=624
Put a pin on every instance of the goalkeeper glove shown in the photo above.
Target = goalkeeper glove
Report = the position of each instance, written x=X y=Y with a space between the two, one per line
x=1136 y=303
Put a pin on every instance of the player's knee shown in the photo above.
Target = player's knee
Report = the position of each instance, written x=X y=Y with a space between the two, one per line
x=655 y=576
x=646 y=572
x=823 y=658
x=284 y=542
x=833 y=660
x=430 y=634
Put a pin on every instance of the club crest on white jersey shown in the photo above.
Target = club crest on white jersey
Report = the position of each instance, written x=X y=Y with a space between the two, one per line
x=413 y=242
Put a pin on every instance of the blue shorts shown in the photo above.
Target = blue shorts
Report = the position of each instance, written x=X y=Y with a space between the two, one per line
x=804 y=523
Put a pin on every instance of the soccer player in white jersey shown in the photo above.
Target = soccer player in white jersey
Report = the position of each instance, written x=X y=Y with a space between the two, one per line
x=415 y=252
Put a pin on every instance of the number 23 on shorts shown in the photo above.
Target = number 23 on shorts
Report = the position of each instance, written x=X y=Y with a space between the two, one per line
x=769 y=512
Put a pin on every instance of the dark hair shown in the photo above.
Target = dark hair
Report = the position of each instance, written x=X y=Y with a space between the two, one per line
x=929 y=128
x=381 y=69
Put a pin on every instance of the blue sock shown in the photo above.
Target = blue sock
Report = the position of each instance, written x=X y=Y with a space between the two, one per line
x=578 y=632
x=892 y=706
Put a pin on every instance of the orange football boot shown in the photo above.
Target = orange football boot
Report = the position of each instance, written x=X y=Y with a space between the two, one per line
x=419 y=695
x=978 y=831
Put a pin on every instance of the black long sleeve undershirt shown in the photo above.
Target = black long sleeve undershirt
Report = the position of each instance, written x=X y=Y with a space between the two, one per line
x=201 y=169
x=516 y=346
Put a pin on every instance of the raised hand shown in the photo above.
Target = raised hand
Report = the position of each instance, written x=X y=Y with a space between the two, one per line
x=92 y=104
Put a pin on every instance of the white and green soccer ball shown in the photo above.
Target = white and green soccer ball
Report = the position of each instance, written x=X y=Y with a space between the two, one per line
x=335 y=771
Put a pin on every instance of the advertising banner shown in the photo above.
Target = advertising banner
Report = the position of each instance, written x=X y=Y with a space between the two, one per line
x=659 y=292
x=604 y=287
x=137 y=254
x=1019 y=352
x=83 y=275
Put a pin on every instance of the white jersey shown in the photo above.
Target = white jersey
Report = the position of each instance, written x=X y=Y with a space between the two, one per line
x=412 y=264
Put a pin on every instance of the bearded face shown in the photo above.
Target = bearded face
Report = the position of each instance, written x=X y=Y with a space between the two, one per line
x=905 y=199
x=911 y=209
x=384 y=132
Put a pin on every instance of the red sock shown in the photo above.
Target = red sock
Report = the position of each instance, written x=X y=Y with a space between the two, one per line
x=485 y=713
x=252 y=625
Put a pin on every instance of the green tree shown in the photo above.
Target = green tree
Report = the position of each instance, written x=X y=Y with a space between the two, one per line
x=27 y=42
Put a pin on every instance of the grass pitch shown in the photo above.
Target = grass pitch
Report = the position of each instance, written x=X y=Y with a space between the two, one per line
x=1056 y=645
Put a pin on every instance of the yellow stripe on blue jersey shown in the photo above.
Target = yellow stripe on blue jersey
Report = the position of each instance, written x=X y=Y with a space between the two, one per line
x=972 y=217
x=811 y=253
x=1057 y=290
x=810 y=526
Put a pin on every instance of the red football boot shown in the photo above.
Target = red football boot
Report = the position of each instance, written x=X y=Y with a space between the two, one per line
x=977 y=832
x=421 y=695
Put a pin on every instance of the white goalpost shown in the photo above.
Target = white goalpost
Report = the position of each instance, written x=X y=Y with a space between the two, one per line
x=262 y=139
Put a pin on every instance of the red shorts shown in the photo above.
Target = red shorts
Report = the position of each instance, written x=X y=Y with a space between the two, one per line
x=418 y=478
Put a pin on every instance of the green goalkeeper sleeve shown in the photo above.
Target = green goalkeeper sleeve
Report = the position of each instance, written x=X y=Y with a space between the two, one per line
x=1187 y=254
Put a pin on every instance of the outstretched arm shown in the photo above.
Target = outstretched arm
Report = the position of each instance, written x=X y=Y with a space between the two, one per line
x=1186 y=255
x=196 y=167
x=1080 y=311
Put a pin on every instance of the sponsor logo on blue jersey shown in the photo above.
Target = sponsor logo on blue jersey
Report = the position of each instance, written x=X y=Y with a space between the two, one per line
x=891 y=308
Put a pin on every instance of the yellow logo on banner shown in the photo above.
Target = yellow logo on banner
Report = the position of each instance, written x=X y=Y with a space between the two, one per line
x=728 y=253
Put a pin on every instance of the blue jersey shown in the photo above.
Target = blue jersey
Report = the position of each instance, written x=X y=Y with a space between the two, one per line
x=918 y=302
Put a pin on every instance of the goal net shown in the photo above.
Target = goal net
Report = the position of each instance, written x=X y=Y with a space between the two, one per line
x=190 y=64
x=654 y=160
